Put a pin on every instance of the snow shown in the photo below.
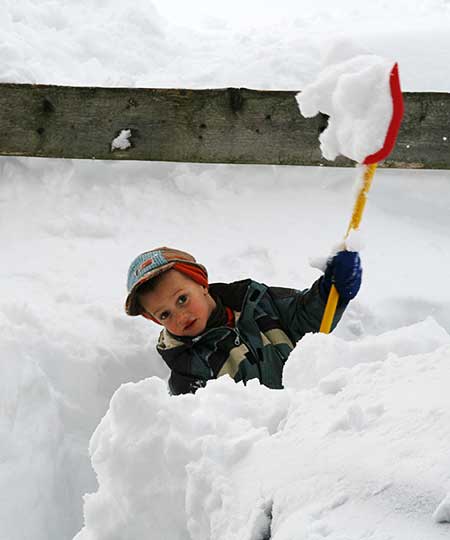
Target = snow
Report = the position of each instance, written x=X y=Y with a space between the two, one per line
x=190 y=464
x=353 y=90
x=121 y=142
x=357 y=444
x=359 y=455
x=442 y=513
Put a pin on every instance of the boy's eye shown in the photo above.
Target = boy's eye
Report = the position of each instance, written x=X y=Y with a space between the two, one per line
x=182 y=299
x=164 y=315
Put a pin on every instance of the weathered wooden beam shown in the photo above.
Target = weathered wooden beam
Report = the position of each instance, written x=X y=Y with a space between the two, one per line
x=233 y=125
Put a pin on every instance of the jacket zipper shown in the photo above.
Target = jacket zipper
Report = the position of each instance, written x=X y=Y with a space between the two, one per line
x=198 y=338
x=237 y=341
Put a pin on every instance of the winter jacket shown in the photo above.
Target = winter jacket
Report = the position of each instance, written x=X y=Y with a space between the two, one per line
x=268 y=323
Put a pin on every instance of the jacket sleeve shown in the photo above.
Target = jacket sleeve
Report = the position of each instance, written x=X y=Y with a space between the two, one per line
x=184 y=384
x=179 y=361
x=301 y=311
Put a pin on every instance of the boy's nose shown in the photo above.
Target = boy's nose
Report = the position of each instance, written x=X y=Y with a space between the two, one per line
x=182 y=318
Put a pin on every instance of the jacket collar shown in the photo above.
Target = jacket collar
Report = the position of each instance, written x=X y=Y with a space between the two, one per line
x=240 y=296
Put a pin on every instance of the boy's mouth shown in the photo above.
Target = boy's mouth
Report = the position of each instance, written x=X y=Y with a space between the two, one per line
x=190 y=324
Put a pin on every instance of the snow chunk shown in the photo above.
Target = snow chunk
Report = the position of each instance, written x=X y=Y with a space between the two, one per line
x=334 y=383
x=168 y=459
x=355 y=240
x=353 y=90
x=121 y=142
x=318 y=262
x=353 y=419
x=318 y=355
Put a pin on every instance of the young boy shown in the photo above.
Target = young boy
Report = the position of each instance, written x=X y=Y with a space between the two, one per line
x=244 y=329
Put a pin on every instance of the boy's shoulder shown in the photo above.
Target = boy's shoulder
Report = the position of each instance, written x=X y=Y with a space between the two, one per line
x=232 y=294
x=236 y=295
x=167 y=341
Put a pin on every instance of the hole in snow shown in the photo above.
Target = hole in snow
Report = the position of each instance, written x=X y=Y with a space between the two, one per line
x=263 y=524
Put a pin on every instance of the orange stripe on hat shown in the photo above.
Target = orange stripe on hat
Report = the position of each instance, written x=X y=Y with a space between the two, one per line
x=194 y=272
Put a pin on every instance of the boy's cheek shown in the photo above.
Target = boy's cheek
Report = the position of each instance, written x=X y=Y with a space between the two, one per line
x=171 y=327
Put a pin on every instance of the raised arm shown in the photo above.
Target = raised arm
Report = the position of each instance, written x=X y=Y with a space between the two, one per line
x=301 y=311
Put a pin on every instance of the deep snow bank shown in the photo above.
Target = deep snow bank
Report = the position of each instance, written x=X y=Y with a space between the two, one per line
x=363 y=452
x=30 y=429
x=109 y=44
x=70 y=229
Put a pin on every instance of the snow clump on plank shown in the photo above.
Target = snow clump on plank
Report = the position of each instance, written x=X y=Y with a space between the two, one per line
x=353 y=89
x=121 y=142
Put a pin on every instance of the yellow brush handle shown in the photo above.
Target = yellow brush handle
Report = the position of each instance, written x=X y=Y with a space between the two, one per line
x=330 y=310
x=361 y=199
x=358 y=209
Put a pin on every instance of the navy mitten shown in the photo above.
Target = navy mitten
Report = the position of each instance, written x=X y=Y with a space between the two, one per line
x=344 y=270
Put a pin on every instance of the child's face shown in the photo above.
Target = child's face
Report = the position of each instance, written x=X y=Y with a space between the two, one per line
x=180 y=304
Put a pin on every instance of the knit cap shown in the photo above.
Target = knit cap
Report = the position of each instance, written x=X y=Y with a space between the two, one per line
x=150 y=264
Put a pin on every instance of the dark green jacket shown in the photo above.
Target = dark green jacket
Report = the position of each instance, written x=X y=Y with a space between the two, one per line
x=268 y=323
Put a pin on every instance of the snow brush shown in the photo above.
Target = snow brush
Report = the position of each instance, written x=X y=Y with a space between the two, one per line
x=370 y=165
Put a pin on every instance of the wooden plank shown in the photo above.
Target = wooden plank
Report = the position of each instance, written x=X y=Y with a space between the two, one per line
x=206 y=126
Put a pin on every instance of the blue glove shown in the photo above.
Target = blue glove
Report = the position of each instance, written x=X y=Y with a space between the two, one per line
x=344 y=270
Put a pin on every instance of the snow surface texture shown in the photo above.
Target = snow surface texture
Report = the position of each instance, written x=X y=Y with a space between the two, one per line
x=70 y=228
x=358 y=455
x=274 y=45
x=353 y=90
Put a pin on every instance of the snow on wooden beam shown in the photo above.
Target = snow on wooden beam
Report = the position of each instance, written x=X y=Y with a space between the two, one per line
x=232 y=125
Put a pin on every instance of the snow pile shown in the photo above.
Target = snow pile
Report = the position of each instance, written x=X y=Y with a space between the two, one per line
x=235 y=462
x=164 y=464
x=71 y=228
x=167 y=44
x=337 y=356
x=106 y=44
x=31 y=430
x=353 y=90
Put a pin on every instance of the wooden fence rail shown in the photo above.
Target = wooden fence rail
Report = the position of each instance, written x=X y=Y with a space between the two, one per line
x=232 y=125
